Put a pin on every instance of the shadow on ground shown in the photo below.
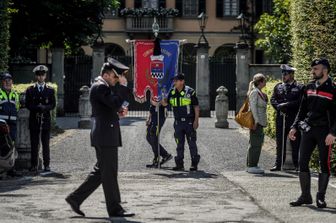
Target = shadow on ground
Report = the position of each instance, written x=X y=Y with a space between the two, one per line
x=186 y=174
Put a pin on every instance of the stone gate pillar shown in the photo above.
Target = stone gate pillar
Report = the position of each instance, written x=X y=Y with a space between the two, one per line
x=242 y=72
x=98 y=57
x=203 y=79
x=58 y=77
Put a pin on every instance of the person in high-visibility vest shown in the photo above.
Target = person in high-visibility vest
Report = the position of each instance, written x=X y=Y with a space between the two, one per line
x=9 y=106
x=9 y=103
x=184 y=103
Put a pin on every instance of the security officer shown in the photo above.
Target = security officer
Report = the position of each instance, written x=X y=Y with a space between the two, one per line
x=40 y=101
x=9 y=106
x=153 y=131
x=317 y=121
x=185 y=106
x=107 y=99
x=9 y=103
x=286 y=100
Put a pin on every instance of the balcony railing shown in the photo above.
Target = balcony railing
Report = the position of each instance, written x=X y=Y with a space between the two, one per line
x=144 y=24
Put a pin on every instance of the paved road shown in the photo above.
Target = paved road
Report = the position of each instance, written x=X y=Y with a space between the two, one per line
x=220 y=192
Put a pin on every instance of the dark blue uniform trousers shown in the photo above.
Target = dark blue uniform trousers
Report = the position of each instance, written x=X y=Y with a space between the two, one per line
x=185 y=129
x=153 y=138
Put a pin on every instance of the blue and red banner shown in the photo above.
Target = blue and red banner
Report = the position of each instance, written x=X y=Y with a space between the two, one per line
x=154 y=73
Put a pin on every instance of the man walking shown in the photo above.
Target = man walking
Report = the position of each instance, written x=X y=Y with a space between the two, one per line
x=286 y=100
x=317 y=121
x=107 y=99
x=153 y=131
x=40 y=101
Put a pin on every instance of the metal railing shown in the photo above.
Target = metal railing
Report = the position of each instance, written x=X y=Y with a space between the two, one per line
x=144 y=24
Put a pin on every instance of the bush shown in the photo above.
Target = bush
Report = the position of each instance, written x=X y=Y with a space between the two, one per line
x=271 y=114
x=313 y=34
x=4 y=34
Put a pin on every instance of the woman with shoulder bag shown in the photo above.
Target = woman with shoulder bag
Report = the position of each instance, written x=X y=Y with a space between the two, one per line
x=258 y=104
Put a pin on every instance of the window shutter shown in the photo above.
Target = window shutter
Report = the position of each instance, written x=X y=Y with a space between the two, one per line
x=179 y=6
x=162 y=3
x=201 y=6
x=137 y=3
x=219 y=8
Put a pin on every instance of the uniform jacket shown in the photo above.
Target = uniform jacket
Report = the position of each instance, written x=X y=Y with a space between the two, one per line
x=183 y=102
x=40 y=104
x=318 y=106
x=106 y=102
x=258 y=106
x=291 y=94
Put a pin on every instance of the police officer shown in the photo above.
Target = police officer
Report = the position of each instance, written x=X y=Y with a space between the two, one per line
x=185 y=106
x=107 y=99
x=286 y=100
x=40 y=101
x=9 y=106
x=153 y=131
x=317 y=121
x=9 y=103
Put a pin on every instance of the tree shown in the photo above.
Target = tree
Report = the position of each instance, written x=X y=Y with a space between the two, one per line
x=48 y=23
x=4 y=34
x=313 y=27
x=274 y=30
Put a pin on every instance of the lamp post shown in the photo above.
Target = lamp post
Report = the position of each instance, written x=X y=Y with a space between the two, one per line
x=202 y=69
x=242 y=18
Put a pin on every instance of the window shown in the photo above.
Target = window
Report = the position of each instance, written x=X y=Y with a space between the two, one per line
x=190 y=8
x=230 y=7
x=150 y=4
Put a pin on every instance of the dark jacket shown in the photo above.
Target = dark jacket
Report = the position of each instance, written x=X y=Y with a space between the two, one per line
x=40 y=105
x=318 y=106
x=106 y=102
x=289 y=95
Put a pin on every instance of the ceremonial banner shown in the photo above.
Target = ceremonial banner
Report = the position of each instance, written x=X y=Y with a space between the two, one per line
x=154 y=73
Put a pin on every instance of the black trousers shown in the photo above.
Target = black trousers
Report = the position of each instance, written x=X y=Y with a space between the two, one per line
x=315 y=137
x=152 y=138
x=105 y=172
x=34 y=141
x=279 y=138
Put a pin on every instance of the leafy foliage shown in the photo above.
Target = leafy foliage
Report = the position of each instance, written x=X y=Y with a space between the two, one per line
x=4 y=34
x=48 y=23
x=275 y=33
x=313 y=33
x=152 y=12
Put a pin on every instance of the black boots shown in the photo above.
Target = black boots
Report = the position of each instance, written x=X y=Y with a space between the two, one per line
x=305 y=197
x=322 y=188
x=154 y=164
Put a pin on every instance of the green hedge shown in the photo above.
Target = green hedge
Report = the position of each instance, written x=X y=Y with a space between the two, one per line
x=313 y=34
x=4 y=34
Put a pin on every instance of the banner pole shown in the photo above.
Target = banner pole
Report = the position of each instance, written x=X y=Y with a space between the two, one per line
x=158 y=133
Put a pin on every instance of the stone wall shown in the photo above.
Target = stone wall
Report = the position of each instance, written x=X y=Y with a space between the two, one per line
x=270 y=70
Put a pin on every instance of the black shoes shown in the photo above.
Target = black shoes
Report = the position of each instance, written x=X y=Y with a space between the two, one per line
x=122 y=213
x=47 y=169
x=275 y=168
x=320 y=202
x=74 y=206
x=302 y=200
x=178 y=168
x=193 y=168
x=166 y=159
x=155 y=163
x=323 y=181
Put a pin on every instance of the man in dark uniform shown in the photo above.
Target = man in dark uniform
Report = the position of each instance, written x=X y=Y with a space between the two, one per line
x=107 y=99
x=40 y=101
x=286 y=100
x=185 y=106
x=153 y=131
x=9 y=106
x=317 y=121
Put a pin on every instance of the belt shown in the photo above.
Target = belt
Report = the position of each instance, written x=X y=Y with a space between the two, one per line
x=7 y=117
x=184 y=119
